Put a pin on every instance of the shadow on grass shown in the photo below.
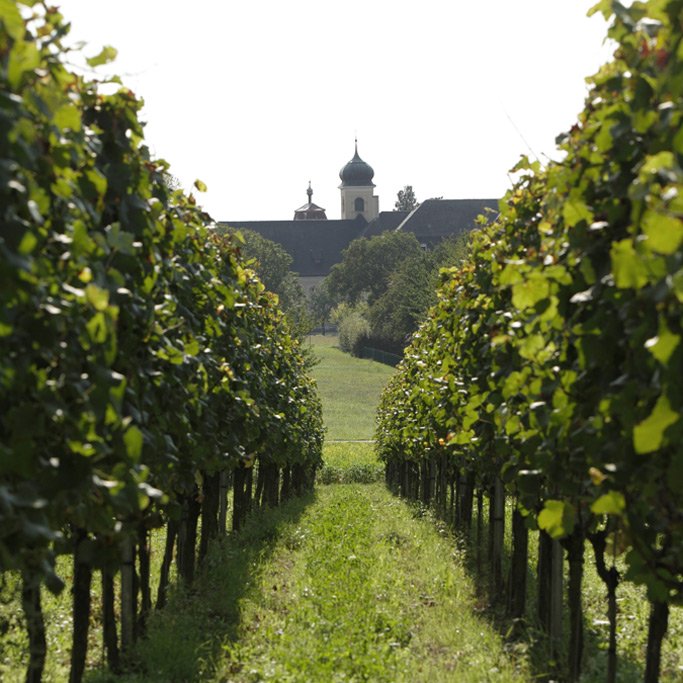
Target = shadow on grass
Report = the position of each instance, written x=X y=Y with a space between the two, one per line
x=526 y=638
x=184 y=641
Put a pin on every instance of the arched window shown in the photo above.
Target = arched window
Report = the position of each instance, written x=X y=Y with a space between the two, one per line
x=359 y=204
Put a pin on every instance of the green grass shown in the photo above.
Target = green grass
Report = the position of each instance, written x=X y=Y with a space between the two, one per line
x=346 y=585
x=350 y=389
x=632 y=623
x=14 y=642
x=350 y=463
x=58 y=621
x=185 y=640
x=632 y=618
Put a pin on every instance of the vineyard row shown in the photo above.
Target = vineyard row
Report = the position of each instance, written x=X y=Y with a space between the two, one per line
x=143 y=367
x=549 y=372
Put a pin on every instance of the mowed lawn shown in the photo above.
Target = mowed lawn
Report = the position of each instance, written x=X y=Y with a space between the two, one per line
x=350 y=389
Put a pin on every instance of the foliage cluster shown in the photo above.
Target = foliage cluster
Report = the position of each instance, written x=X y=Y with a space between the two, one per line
x=406 y=199
x=272 y=265
x=140 y=361
x=367 y=264
x=352 y=326
x=385 y=286
x=552 y=361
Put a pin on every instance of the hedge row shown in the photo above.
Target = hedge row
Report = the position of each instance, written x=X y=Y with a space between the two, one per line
x=142 y=367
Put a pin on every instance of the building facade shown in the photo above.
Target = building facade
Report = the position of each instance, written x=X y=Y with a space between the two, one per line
x=316 y=243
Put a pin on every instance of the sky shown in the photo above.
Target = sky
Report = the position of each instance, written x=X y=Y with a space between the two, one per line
x=258 y=97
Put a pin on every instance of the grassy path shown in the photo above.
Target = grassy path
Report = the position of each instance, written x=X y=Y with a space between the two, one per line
x=350 y=585
x=346 y=584
x=357 y=588
x=360 y=589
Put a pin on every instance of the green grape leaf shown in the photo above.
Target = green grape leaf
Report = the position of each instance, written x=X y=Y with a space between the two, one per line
x=627 y=266
x=191 y=348
x=97 y=297
x=604 y=7
x=576 y=210
x=612 y=503
x=133 y=440
x=530 y=346
x=23 y=57
x=557 y=518
x=67 y=116
x=28 y=243
x=97 y=328
x=462 y=438
x=529 y=292
x=648 y=436
x=663 y=161
x=11 y=19
x=664 y=233
x=105 y=56
x=664 y=344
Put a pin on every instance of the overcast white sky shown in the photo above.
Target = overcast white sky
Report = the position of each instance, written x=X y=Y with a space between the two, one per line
x=258 y=97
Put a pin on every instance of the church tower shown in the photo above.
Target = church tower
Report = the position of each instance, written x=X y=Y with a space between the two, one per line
x=357 y=190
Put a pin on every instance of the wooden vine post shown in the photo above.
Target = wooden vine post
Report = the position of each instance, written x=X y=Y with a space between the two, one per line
x=127 y=598
x=518 y=566
x=497 y=512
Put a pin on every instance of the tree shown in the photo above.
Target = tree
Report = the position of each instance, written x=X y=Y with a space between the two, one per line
x=396 y=279
x=411 y=292
x=406 y=199
x=320 y=304
x=354 y=328
x=398 y=312
x=367 y=264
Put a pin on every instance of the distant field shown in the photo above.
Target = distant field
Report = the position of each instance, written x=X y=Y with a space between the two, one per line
x=350 y=389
